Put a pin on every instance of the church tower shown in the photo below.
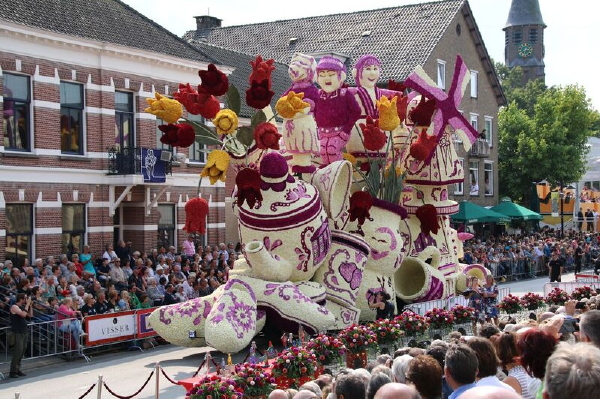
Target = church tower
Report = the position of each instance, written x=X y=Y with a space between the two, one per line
x=524 y=39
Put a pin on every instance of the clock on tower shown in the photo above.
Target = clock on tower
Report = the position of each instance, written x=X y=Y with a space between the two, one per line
x=525 y=50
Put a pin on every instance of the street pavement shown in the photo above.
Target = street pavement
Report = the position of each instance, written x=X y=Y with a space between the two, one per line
x=125 y=372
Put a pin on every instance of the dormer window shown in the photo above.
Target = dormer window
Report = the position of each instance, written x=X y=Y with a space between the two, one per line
x=366 y=33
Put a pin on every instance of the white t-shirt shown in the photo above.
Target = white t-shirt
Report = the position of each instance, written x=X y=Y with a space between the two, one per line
x=493 y=381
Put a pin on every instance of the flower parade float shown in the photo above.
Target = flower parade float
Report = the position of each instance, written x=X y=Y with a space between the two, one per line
x=348 y=198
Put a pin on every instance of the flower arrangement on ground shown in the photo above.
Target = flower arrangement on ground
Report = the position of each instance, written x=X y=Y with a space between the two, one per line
x=532 y=301
x=295 y=363
x=215 y=387
x=358 y=338
x=439 y=318
x=254 y=379
x=582 y=292
x=510 y=304
x=388 y=331
x=557 y=297
x=326 y=349
x=412 y=323
x=462 y=314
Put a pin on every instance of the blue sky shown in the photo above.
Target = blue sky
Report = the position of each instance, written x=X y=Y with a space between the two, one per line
x=570 y=38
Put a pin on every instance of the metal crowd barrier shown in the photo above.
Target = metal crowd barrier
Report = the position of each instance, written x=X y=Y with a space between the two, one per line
x=422 y=307
x=45 y=338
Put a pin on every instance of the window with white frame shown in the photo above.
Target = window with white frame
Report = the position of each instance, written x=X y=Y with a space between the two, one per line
x=489 y=130
x=475 y=121
x=459 y=188
x=196 y=153
x=73 y=228
x=71 y=117
x=17 y=115
x=167 y=225
x=441 y=74
x=19 y=232
x=124 y=119
x=474 y=84
x=488 y=178
x=474 y=178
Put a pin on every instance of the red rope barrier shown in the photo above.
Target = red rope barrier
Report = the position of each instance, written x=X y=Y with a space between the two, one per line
x=88 y=391
x=168 y=378
x=135 y=394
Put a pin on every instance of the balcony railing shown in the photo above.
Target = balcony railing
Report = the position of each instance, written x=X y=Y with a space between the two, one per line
x=480 y=148
x=128 y=161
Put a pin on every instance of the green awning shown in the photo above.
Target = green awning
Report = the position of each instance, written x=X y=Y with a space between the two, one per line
x=516 y=211
x=470 y=213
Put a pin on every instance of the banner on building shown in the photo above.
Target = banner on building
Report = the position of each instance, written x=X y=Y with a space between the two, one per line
x=153 y=167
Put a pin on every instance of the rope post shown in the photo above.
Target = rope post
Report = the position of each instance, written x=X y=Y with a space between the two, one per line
x=99 y=396
x=157 y=373
x=17 y=395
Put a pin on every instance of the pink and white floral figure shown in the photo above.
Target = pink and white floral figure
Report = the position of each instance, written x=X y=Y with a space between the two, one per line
x=366 y=72
x=300 y=131
x=337 y=110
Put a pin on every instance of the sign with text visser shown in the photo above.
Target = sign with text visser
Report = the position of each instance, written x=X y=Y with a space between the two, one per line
x=110 y=327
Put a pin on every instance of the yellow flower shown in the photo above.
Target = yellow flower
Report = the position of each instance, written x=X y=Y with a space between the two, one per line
x=290 y=104
x=216 y=166
x=349 y=157
x=388 y=113
x=165 y=108
x=226 y=121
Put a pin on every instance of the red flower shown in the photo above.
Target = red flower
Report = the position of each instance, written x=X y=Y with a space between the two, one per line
x=248 y=184
x=360 y=205
x=396 y=86
x=422 y=113
x=259 y=95
x=180 y=135
x=374 y=138
x=266 y=136
x=424 y=146
x=169 y=136
x=261 y=70
x=197 y=102
x=214 y=81
x=401 y=105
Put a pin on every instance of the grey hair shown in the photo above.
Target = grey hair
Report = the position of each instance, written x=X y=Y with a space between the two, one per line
x=573 y=371
x=400 y=367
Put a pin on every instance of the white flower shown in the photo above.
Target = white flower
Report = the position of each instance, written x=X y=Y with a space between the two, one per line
x=252 y=382
x=287 y=360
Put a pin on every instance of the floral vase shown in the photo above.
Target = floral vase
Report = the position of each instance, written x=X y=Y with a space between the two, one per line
x=417 y=280
x=387 y=348
x=439 y=333
x=356 y=359
x=464 y=328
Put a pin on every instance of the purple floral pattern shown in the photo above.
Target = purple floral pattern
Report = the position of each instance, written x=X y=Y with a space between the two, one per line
x=292 y=195
x=191 y=308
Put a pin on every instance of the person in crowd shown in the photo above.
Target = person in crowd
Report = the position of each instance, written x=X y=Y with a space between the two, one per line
x=123 y=251
x=101 y=305
x=117 y=275
x=170 y=297
x=180 y=293
x=589 y=327
x=381 y=302
x=350 y=386
x=136 y=282
x=109 y=252
x=189 y=247
x=87 y=260
x=395 y=390
x=488 y=363
x=153 y=292
x=125 y=300
x=490 y=300
x=475 y=295
x=556 y=267
x=103 y=270
x=113 y=302
x=88 y=309
x=375 y=382
x=536 y=346
x=127 y=268
x=510 y=360
x=69 y=320
x=425 y=373
x=460 y=370
x=400 y=368
x=572 y=371
x=20 y=312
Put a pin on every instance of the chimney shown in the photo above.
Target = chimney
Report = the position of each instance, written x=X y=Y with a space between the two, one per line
x=204 y=22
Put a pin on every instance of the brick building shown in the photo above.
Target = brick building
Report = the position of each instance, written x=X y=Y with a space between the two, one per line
x=75 y=78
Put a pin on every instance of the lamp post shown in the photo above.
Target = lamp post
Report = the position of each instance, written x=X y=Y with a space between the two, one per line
x=561 y=194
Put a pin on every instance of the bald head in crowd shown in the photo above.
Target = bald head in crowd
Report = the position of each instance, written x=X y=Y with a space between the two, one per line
x=489 y=392
x=395 y=390
x=278 y=394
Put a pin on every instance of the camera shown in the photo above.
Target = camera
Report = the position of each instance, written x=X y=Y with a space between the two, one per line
x=580 y=305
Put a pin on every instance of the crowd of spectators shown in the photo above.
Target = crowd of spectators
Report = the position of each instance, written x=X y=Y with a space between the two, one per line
x=121 y=278
x=554 y=354
x=523 y=256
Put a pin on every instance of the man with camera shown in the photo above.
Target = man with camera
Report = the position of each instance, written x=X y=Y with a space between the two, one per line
x=20 y=311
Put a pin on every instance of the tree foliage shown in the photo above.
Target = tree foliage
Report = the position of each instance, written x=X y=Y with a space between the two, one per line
x=543 y=134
